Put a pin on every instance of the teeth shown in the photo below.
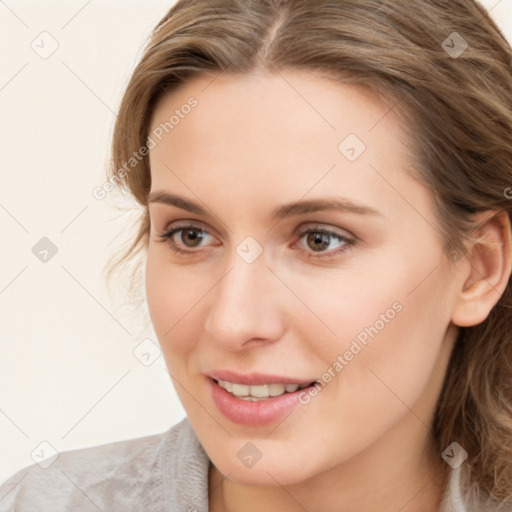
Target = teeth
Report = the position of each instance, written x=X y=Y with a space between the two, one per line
x=228 y=386
x=277 y=389
x=260 y=392
x=240 y=390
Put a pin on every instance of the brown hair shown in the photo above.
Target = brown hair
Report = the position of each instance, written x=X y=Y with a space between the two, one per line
x=459 y=112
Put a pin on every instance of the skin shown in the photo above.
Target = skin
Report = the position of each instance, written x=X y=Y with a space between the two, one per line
x=251 y=144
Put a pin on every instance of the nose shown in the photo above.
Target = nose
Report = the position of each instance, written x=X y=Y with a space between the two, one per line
x=246 y=306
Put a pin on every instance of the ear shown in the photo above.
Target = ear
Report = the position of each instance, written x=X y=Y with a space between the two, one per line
x=487 y=269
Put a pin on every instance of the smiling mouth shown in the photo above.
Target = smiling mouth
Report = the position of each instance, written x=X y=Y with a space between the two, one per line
x=257 y=393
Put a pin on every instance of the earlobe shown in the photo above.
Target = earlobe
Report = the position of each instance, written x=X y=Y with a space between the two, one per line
x=490 y=265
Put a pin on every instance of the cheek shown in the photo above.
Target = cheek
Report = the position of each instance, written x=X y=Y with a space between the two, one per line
x=171 y=295
x=388 y=368
x=395 y=303
x=389 y=317
x=177 y=298
x=390 y=334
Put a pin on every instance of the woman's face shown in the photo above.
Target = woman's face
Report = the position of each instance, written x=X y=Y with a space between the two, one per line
x=302 y=252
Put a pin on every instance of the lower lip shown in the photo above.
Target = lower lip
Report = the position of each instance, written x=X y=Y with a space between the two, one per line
x=257 y=413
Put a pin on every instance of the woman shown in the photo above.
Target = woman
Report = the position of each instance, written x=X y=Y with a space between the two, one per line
x=326 y=203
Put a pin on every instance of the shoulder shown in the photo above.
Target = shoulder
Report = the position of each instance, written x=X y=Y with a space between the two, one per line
x=463 y=495
x=123 y=475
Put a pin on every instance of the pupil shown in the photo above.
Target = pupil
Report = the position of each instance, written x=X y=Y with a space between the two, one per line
x=191 y=236
x=321 y=239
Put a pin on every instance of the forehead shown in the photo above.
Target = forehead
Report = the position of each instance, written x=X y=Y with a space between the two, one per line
x=287 y=107
x=265 y=135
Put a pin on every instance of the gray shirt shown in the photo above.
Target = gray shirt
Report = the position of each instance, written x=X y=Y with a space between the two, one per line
x=162 y=472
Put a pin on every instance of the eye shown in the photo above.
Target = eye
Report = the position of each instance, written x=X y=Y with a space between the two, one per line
x=180 y=238
x=318 y=241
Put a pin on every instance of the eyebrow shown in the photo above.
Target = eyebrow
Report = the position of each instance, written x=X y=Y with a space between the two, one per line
x=279 y=213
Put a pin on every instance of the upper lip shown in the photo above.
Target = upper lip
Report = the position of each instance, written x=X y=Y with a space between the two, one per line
x=255 y=379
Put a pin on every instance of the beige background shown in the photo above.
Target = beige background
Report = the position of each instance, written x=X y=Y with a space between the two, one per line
x=68 y=372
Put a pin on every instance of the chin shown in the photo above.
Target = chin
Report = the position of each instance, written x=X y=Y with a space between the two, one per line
x=263 y=476
x=277 y=469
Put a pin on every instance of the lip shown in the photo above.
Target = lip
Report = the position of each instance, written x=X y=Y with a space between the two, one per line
x=255 y=379
x=258 y=413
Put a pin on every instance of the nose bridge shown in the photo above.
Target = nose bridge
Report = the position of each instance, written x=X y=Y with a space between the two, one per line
x=242 y=308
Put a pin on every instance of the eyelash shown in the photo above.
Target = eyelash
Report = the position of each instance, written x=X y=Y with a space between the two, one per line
x=348 y=242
